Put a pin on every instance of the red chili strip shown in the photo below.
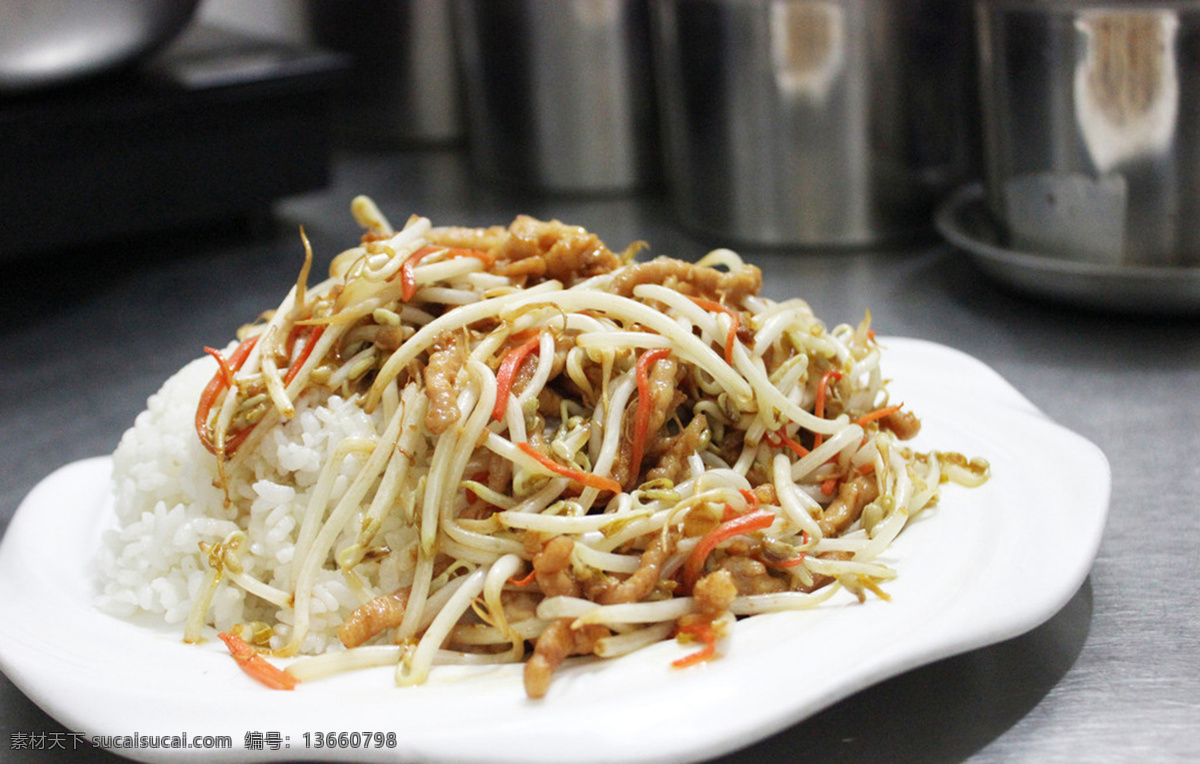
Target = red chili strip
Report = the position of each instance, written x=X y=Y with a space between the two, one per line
x=309 y=344
x=588 y=479
x=752 y=502
x=782 y=439
x=747 y=523
x=256 y=666
x=508 y=370
x=734 y=323
x=871 y=416
x=221 y=380
x=791 y=562
x=525 y=580
x=479 y=477
x=408 y=276
x=641 y=419
x=822 y=394
x=704 y=633
x=222 y=366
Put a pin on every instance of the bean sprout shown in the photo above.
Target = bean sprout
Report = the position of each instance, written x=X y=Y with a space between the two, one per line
x=503 y=498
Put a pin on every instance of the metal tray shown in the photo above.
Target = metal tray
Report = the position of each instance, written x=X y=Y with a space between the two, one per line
x=965 y=222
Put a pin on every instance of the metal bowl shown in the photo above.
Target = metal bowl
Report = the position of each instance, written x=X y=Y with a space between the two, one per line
x=559 y=93
x=814 y=123
x=49 y=43
x=1091 y=130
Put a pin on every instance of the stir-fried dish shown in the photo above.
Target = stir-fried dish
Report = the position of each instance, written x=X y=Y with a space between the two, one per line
x=560 y=450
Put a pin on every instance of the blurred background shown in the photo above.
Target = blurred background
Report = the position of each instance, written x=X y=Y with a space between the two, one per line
x=801 y=124
x=1053 y=142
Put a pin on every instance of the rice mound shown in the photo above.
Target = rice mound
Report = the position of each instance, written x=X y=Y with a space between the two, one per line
x=168 y=501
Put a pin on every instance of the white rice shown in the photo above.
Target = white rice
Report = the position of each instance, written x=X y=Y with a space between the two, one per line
x=168 y=501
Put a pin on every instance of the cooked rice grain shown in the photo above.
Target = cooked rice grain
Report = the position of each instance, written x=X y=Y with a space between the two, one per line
x=168 y=502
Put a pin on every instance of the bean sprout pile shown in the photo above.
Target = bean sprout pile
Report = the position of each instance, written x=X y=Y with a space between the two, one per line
x=580 y=453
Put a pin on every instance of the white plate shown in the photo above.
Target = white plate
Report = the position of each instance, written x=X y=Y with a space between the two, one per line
x=987 y=564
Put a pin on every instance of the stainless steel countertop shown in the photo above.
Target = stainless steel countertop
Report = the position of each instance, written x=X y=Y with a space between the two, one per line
x=1114 y=676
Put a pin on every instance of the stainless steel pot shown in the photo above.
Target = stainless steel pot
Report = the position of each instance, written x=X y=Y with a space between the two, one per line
x=559 y=93
x=815 y=122
x=1092 y=128
x=45 y=43
x=405 y=88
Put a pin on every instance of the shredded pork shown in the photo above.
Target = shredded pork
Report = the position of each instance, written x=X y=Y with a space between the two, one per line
x=687 y=278
x=695 y=462
x=445 y=360
x=373 y=618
